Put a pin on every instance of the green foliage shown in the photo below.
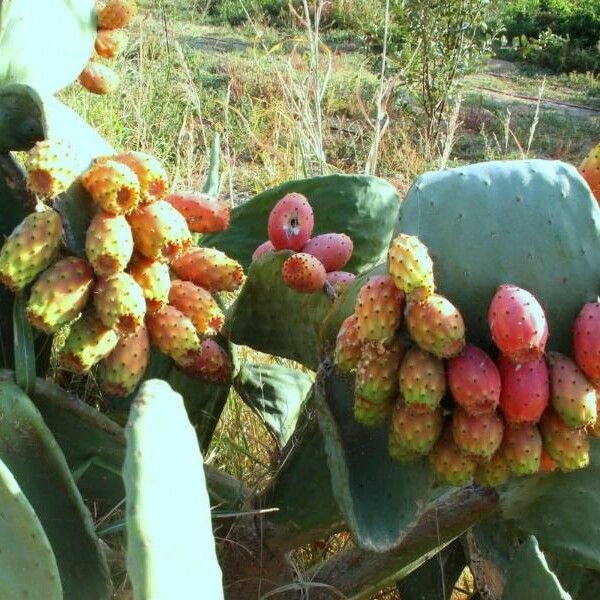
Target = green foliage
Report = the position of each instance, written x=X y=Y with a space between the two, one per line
x=178 y=559
x=236 y=12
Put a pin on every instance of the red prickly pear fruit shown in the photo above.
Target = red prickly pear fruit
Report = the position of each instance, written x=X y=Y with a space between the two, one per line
x=347 y=345
x=174 y=335
x=474 y=381
x=113 y=186
x=494 y=472
x=525 y=389
x=479 y=436
x=522 y=447
x=410 y=265
x=586 y=341
x=60 y=294
x=124 y=367
x=303 y=273
x=413 y=433
x=570 y=448
x=435 y=324
x=378 y=308
x=451 y=465
x=202 y=213
x=160 y=232
x=154 y=279
x=108 y=244
x=211 y=363
x=30 y=248
x=110 y=42
x=198 y=305
x=264 y=248
x=98 y=79
x=51 y=168
x=332 y=249
x=120 y=303
x=339 y=280
x=150 y=173
x=517 y=323
x=291 y=222
x=210 y=269
x=88 y=342
x=572 y=396
x=590 y=171
x=547 y=463
x=116 y=14
x=422 y=380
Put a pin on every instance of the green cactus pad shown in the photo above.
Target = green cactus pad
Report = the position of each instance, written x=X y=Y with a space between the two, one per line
x=365 y=208
x=560 y=509
x=532 y=223
x=32 y=454
x=379 y=497
x=27 y=564
x=582 y=584
x=276 y=393
x=21 y=117
x=49 y=51
x=179 y=560
x=270 y=317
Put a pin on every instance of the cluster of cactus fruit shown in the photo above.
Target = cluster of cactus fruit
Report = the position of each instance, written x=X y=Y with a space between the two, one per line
x=111 y=40
x=316 y=261
x=142 y=282
x=528 y=412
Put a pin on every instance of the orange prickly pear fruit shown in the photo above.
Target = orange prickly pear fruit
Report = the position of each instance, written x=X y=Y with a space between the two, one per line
x=110 y=42
x=150 y=173
x=116 y=14
x=209 y=268
x=212 y=363
x=590 y=170
x=113 y=186
x=198 y=305
x=98 y=78
x=202 y=213
x=154 y=279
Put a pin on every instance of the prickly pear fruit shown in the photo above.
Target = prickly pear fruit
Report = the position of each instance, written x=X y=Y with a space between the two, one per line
x=334 y=250
x=116 y=14
x=60 y=294
x=378 y=308
x=340 y=280
x=150 y=173
x=263 y=249
x=547 y=463
x=202 y=213
x=291 y=222
x=594 y=428
x=570 y=448
x=303 y=273
x=108 y=244
x=572 y=395
x=159 y=231
x=209 y=268
x=88 y=342
x=422 y=380
x=98 y=79
x=450 y=463
x=435 y=324
x=525 y=389
x=211 y=363
x=586 y=341
x=474 y=381
x=154 y=279
x=174 y=335
x=30 y=248
x=120 y=303
x=590 y=171
x=376 y=383
x=494 y=472
x=197 y=305
x=479 y=436
x=124 y=367
x=110 y=42
x=347 y=345
x=413 y=432
x=522 y=448
x=113 y=186
x=410 y=265
x=517 y=323
x=50 y=168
